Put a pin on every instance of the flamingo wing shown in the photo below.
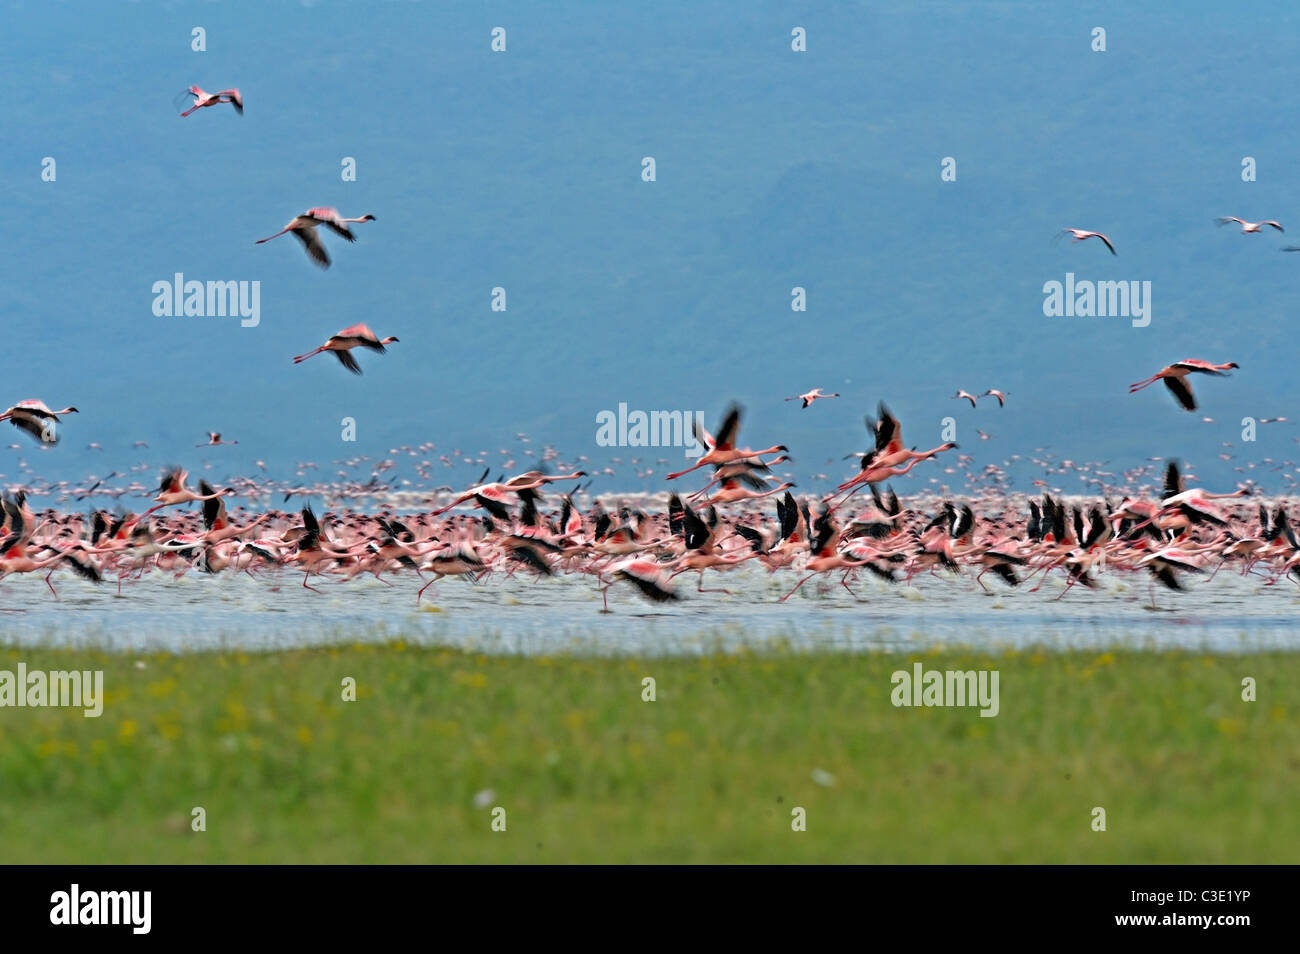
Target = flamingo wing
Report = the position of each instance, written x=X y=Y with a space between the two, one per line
x=1180 y=390
x=358 y=331
x=36 y=429
x=235 y=99
x=314 y=246
x=889 y=433
x=730 y=429
x=1201 y=367
x=349 y=362
x=340 y=229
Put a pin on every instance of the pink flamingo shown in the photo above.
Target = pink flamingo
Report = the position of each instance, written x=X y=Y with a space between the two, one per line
x=811 y=396
x=172 y=491
x=722 y=449
x=1173 y=377
x=343 y=343
x=36 y=419
x=1248 y=227
x=1083 y=234
x=304 y=227
x=203 y=99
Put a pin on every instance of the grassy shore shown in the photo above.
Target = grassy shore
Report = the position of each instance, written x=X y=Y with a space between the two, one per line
x=587 y=771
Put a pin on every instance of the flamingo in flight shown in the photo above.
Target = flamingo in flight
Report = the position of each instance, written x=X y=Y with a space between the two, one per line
x=1082 y=234
x=1248 y=227
x=36 y=419
x=172 y=491
x=964 y=396
x=304 y=227
x=1174 y=374
x=214 y=440
x=722 y=449
x=811 y=396
x=203 y=99
x=343 y=343
x=1000 y=395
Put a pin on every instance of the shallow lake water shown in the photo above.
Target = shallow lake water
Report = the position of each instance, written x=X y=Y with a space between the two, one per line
x=563 y=615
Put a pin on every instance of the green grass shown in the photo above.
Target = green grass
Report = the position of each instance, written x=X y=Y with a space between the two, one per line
x=588 y=772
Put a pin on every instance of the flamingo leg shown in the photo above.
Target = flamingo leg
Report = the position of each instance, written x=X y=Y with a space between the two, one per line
x=436 y=578
x=796 y=586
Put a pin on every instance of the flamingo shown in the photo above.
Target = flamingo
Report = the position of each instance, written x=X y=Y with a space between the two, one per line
x=1083 y=234
x=343 y=343
x=203 y=99
x=304 y=227
x=217 y=525
x=214 y=440
x=1000 y=395
x=889 y=458
x=964 y=396
x=36 y=419
x=1248 y=227
x=172 y=491
x=649 y=577
x=811 y=396
x=1173 y=377
x=722 y=449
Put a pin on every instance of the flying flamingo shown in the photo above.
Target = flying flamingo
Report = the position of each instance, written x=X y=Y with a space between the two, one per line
x=172 y=491
x=890 y=456
x=964 y=396
x=1247 y=227
x=1173 y=377
x=343 y=343
x=1000 y=395
x=1082 y=234
x=214 y=440
x=722 y=449
x=811 y=396
x=36 y=419
x=649 y=577
x=203 y=99
x=304 y=227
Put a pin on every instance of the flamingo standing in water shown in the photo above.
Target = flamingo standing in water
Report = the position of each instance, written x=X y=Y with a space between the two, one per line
x=204 y=99
x=1083 y=234
x=343 y=343
x=1173 y=377
x=1248 y=227
x=36 y=419
x=304 y=227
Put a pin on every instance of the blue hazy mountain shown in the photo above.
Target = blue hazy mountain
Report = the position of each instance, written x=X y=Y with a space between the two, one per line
x=522 y=169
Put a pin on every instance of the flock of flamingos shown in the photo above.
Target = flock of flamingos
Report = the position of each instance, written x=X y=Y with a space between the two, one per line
x=510 y=528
